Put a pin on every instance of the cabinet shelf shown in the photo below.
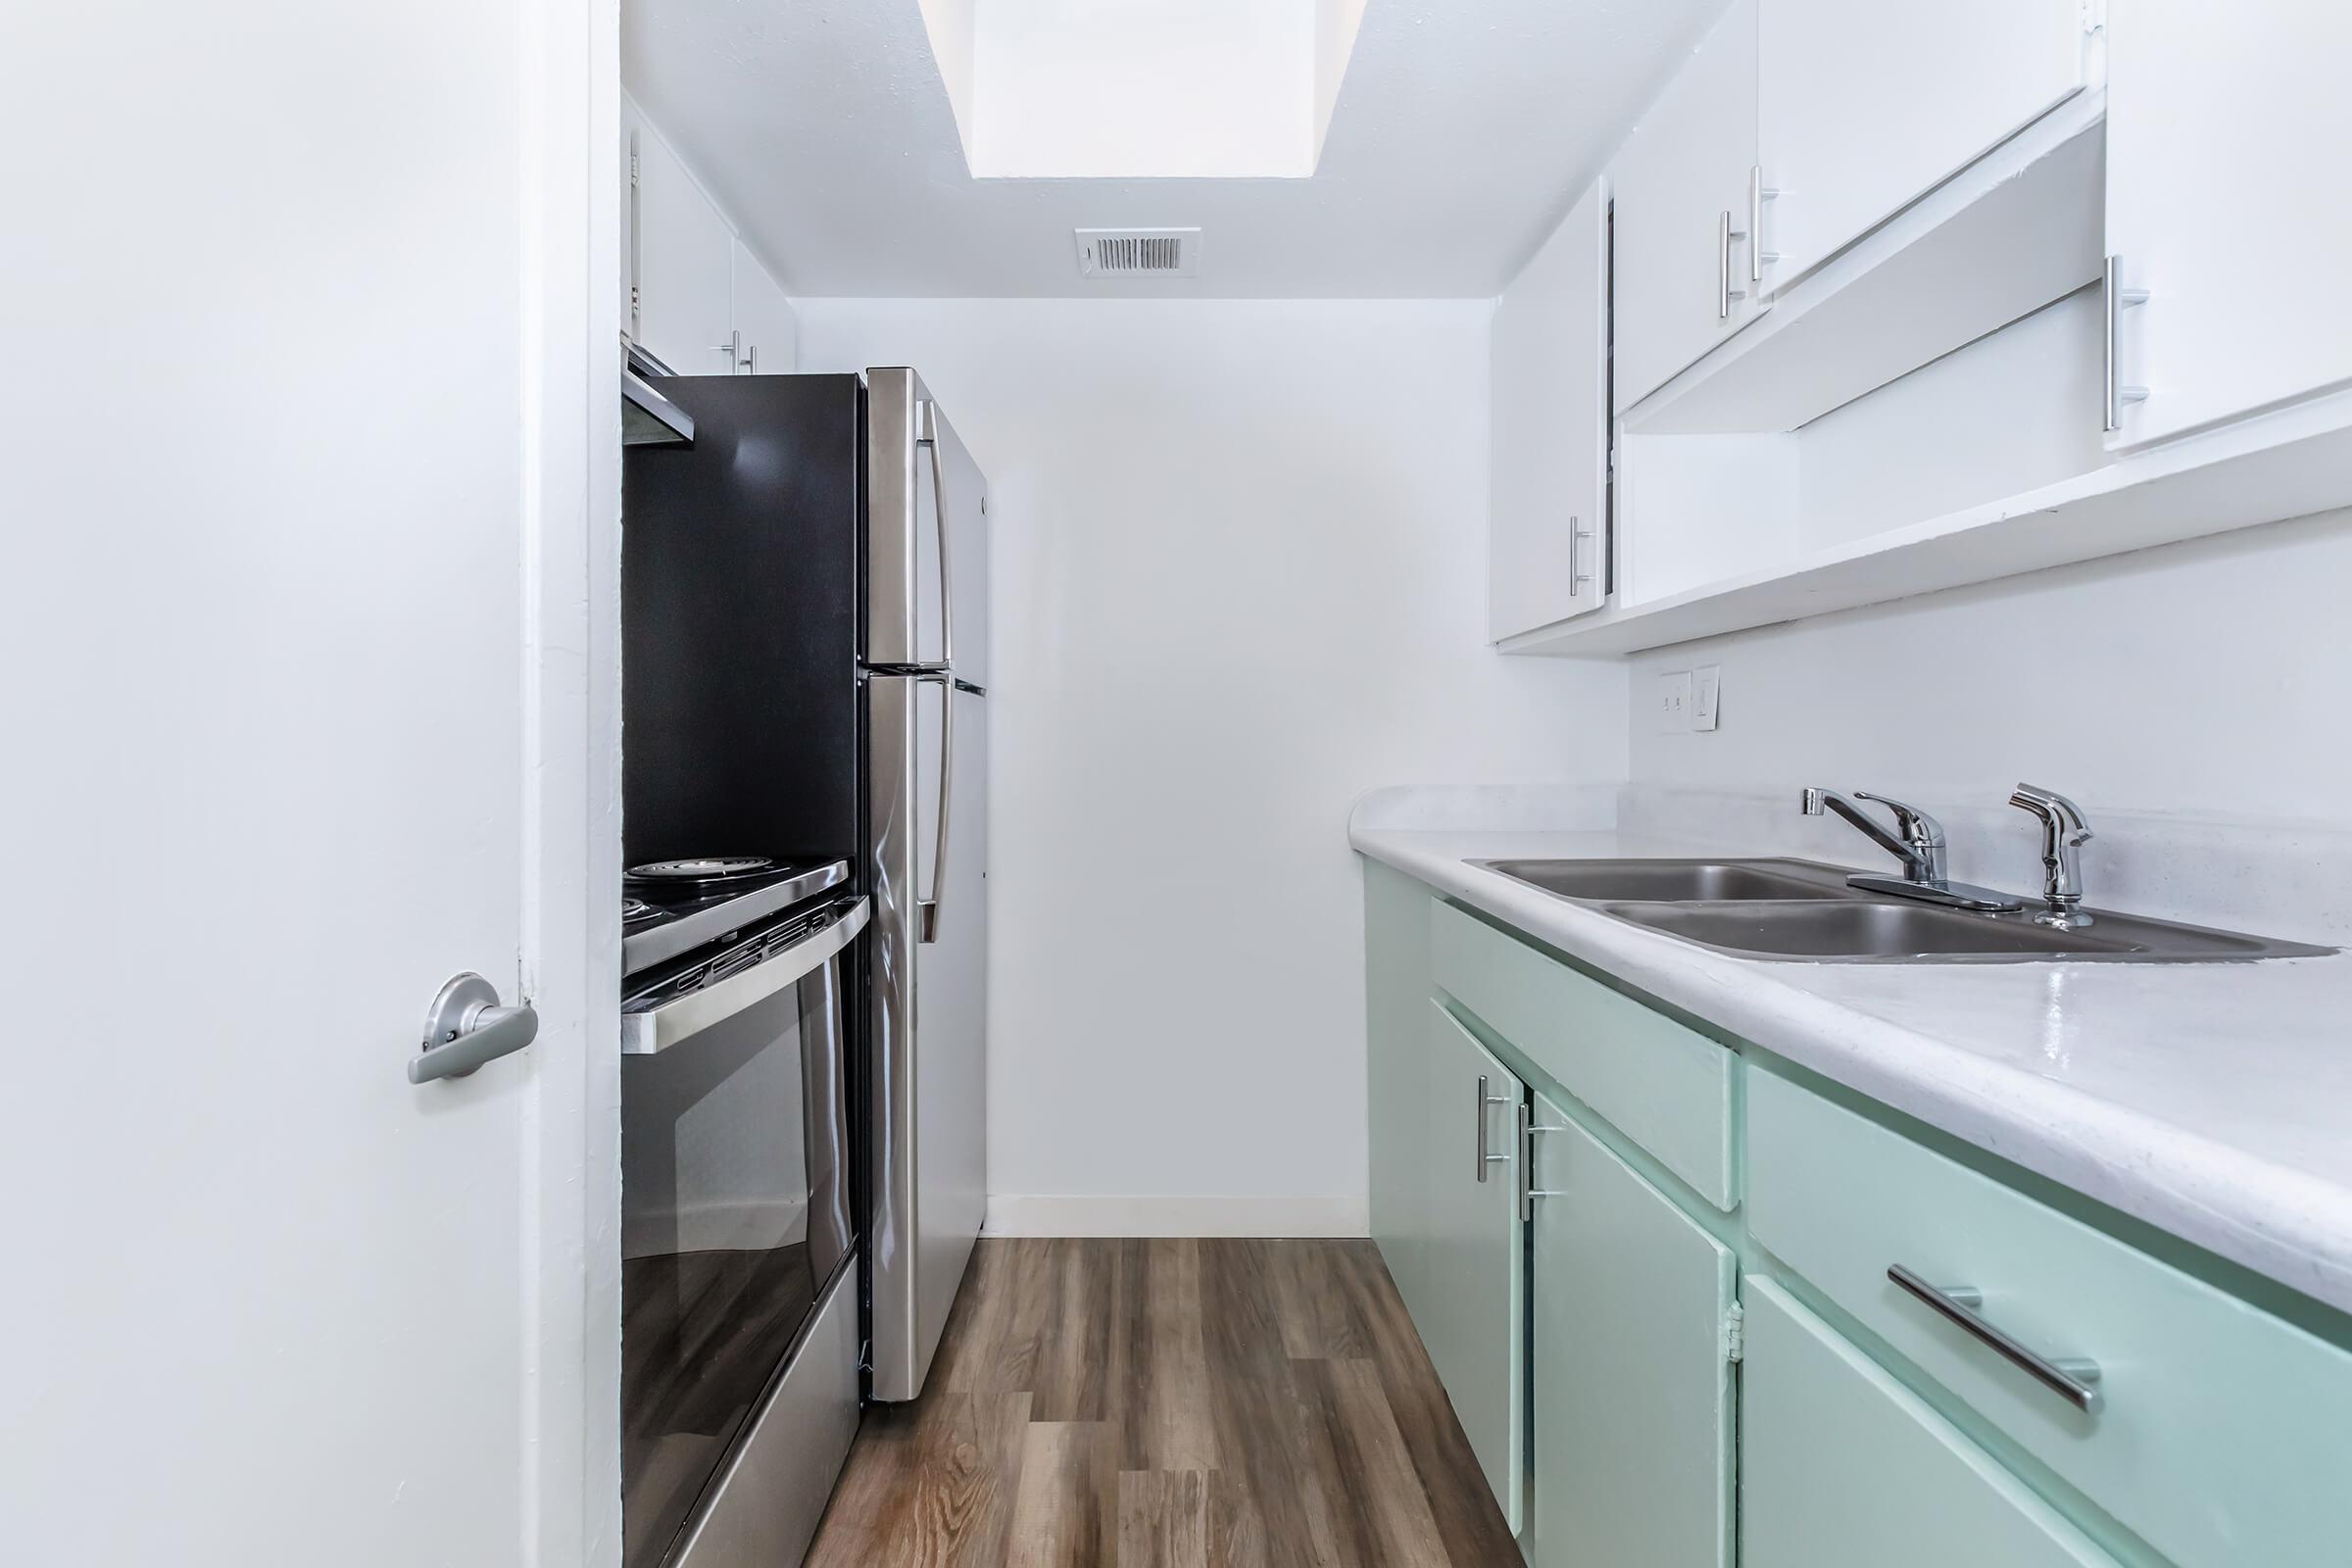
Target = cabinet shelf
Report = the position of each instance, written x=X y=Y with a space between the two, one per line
x=2287 y=463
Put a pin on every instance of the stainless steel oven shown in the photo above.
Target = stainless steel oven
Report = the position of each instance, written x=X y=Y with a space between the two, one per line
x=739 y=1293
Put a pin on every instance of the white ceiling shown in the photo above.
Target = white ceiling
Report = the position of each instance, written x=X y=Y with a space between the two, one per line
x=1461 y=133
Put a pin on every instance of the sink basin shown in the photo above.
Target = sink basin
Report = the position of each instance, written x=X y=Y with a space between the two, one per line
x=1676 y=881
x=1802 y=912
x=1854 y=929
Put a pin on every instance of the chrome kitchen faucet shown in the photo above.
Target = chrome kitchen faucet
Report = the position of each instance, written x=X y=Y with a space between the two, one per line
x=1921 y=849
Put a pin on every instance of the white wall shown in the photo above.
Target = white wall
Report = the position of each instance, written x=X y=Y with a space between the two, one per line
x=2192 y=697
x=1240 y=578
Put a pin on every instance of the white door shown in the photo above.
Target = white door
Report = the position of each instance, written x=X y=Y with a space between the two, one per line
x=1682 y=188
x=1547 y=523
x=298 y=492
x=2227 y=132
x=685 y=267
x=1935 y=85
x=763 y=317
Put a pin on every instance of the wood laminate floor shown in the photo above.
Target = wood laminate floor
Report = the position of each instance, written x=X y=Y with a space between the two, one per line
x=1169 y=1404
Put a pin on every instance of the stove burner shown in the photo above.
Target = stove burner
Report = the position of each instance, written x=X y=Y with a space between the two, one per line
x=706 y=868
x=636 y=910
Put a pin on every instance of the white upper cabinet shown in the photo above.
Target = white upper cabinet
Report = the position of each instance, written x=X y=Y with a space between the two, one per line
x=685 y=267
x=763 y=316
x=1865 y=105
x=2228 y=134
x=629 y=128
x=1549 y=430
x=1682 y=186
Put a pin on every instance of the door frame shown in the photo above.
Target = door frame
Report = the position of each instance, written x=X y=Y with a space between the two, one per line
x=569 y=181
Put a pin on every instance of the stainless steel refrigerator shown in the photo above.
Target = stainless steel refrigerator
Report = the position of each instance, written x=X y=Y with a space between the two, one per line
x=804 y=627
x=925 y=681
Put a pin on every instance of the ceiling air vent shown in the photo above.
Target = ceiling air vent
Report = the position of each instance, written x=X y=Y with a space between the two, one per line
x=1139 y=252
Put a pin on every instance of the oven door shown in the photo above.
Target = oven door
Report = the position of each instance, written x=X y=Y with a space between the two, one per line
x=735 y=1208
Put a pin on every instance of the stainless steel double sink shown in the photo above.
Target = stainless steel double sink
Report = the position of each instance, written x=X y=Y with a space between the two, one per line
x=1804 y=911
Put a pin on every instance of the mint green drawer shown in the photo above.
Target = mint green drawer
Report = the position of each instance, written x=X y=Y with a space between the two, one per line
x=1665 y=1087
x=1841 y=1467
x=2223 y=1435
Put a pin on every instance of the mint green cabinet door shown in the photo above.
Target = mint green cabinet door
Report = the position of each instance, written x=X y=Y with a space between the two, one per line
x=1474 y=1263
x=1397 y=984
x=1633 y=1380
x=1842 y=1467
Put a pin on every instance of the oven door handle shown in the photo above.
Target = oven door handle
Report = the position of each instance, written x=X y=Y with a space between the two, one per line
x=655 y=1029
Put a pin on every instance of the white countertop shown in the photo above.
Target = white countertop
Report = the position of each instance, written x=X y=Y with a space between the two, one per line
x=2212 y=1101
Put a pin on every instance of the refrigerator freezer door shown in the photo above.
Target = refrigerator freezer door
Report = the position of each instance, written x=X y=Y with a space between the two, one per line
x=916 y=617
x=929 y=1051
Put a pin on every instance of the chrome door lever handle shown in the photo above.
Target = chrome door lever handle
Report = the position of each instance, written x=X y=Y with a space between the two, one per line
x=466 y=1028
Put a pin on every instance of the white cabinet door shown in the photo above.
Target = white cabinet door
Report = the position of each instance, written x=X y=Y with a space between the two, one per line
x=685 y=267
x=1680 y=184
x=1547 y=530
x=1866 y=106
x=629 y=124
x=765 y=318
x=1474 y=1263
x=2227 y=136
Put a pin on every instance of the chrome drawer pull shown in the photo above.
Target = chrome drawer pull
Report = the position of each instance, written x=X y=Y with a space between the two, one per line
x=1529 y=1127
x=2073 y=1380
x=1484 y=1101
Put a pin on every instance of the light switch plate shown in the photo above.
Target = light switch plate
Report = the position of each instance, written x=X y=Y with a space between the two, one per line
x=1706 y=696
x=1672 y=713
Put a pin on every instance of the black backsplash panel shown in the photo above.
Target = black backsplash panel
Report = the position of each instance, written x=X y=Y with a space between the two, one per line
x=740 y=623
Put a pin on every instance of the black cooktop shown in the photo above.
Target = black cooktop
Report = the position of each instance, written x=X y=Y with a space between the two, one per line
x=681 y=904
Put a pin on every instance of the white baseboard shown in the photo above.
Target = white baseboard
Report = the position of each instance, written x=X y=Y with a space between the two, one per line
x=1051 y=1214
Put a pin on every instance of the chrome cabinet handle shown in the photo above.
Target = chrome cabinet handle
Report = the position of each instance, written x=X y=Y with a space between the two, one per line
x=1723 y=264
x=926 y=434
x=1577 y=534
x=1528 y=1192
x=465 y=1027
x=2117 y=300
x=927 y=909
x=732 y=347
x=1755 y=223
x=1484 y=1101
x=2073 y=1380
x=1724 y=233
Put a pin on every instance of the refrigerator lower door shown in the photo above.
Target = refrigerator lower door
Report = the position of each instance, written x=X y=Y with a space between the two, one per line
x=930 y=1040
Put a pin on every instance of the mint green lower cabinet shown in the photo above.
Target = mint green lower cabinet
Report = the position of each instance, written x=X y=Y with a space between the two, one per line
x=1842 y=1467
x=1634 y=1409
x=2224 y=1436
x=1396 y=982
x=1473 y=1319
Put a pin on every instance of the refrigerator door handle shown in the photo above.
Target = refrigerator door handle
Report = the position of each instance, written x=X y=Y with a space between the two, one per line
x=927 y=909
x=926 y=434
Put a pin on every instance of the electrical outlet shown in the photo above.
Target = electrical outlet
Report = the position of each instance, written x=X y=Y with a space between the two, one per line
x=1672 y=714
x=1706 y=697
